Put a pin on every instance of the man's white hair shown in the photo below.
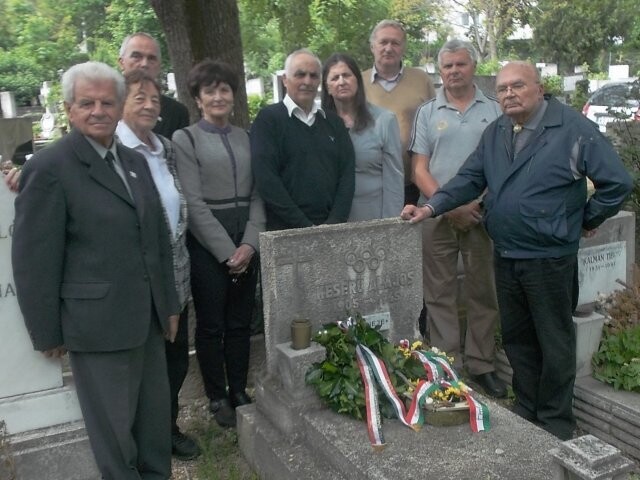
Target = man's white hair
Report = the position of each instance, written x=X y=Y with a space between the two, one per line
x=294 y=54
x=91 y=71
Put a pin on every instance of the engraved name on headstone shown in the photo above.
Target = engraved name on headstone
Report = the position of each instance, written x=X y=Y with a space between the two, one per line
x=598 y=269
x=328 y=272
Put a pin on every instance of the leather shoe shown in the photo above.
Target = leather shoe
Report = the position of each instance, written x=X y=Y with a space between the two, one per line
x=491 y=384
x=239 y=399
x=183 y=447
x=223 y=412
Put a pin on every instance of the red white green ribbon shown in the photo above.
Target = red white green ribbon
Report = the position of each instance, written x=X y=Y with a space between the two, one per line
x=478 y=411
x=373 y=370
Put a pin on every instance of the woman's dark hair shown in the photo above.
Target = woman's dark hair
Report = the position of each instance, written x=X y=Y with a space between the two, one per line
x=363 y=116
x=209 y=72
x=136 y=76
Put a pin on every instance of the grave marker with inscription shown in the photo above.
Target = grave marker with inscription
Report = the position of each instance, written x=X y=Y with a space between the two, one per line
x=324 y=273
x=606 y=257
x=32 y=394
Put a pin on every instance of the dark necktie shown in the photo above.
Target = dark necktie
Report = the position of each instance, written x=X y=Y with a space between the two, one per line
x=110 y=159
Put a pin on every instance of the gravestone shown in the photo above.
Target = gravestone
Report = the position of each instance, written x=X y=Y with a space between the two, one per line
x=374 y=267
x=328 y=272
x=40 y=410
x=8 y=104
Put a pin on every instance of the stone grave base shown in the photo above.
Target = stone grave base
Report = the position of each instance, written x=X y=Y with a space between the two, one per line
x=60 y=452
x=613 y=416
x=287 y=434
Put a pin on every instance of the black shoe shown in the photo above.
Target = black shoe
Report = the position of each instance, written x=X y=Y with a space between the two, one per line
x=491 y=384
x=223 y=413
x=239 y=399
x=183 y=447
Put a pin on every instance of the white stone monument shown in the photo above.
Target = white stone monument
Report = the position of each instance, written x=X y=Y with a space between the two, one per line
x=32 y=394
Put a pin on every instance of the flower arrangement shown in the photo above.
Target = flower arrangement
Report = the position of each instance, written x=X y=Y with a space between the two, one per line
x=337 y=379
x=448 y=395
x=366 y=377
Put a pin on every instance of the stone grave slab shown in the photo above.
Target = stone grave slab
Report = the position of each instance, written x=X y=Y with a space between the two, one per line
x=327 y=272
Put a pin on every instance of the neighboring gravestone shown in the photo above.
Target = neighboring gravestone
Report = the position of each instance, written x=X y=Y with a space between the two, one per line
x=606 y=257
x=45 y=436
x=8 y=104
x=24 y=371
x=327 y=272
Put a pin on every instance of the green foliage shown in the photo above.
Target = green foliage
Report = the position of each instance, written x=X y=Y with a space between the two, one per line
x=21 y=75
x=488 y=67
x=618 y=359
x=553 y=85
x=626 y=139
x=221 y=458
x=337 y=379
x=255 y=103
x=581 y=94
x=571 y=32
x=41 y=38
x=598 y=76
x=122 y=18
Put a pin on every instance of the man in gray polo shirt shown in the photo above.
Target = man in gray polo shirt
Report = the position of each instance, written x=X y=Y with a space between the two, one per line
x=445 y=132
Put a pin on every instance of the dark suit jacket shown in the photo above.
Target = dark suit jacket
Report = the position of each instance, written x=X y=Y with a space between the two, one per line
x=173 y=116
x=89 y=262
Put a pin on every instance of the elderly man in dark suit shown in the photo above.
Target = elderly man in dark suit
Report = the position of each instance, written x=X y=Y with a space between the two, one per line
x=93 y=271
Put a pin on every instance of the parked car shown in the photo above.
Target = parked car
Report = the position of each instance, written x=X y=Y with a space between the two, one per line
x=612 y=101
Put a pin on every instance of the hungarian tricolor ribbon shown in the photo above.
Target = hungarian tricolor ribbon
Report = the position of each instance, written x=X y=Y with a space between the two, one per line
x=372 y=371
x=478 y=411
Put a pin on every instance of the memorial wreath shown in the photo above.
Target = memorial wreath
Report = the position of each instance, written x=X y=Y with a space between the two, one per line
x=367 y=377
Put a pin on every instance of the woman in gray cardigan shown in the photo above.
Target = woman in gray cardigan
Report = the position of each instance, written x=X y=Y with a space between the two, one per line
x=225 y=217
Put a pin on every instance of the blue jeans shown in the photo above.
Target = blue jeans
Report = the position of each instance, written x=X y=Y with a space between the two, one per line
x=535 y=297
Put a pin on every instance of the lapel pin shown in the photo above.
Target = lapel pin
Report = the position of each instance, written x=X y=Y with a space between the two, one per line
x=133 y=174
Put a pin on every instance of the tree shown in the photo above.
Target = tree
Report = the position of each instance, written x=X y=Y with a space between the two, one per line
x=492 y=21
x=580 y=31
x=199 y=29
x=421 y=18
x=122 y=18
x=39 y=39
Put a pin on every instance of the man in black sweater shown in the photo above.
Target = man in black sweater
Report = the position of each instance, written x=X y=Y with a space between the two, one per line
x=302 y=156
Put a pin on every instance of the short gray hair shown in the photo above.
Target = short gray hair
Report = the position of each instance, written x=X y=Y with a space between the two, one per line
x=91 y=71
x=384 y=24
x=127 y=39
x=294 y=54
x=454 y=45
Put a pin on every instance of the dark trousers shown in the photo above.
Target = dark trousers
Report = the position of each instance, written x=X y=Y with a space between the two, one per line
x=535 y=297
x=178 y=364
x=223 y=306
x=124 y=398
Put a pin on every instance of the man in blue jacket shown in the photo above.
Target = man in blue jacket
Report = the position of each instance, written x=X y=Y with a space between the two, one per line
x=534 y=162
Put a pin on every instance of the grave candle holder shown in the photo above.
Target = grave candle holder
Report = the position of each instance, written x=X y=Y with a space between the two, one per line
x=300 y=333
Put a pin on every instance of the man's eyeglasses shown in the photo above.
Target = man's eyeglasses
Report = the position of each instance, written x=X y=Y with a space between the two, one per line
x=515 y=88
